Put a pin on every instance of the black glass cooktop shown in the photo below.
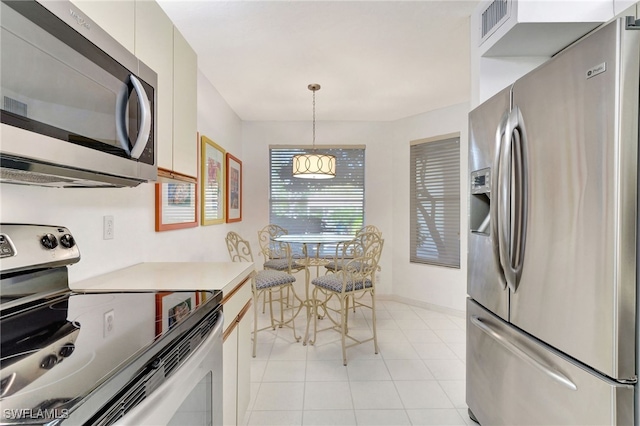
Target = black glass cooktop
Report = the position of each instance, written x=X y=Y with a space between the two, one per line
x=58 y=351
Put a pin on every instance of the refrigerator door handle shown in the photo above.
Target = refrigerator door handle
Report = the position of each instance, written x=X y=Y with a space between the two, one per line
x=513 y=199
x=529 y=358
x=521 y=174
x=496 y=219
x=504 y=186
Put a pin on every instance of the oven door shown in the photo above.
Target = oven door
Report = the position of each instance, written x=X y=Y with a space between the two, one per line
x=192 y=395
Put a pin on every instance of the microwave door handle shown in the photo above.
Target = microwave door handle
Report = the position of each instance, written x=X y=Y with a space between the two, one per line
x=145 y=120
x=494 y=210
x=122 y=105
x=122 y=128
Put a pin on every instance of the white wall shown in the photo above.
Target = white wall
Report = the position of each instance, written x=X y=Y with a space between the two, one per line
x=257 y=136
x=81 y=210
x=417 y=283
x=386 y=192
x=386 y=202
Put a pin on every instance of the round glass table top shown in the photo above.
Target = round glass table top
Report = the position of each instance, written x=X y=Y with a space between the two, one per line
x=313 y=238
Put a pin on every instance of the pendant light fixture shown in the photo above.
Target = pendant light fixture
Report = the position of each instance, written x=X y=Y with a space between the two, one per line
x=314 y=165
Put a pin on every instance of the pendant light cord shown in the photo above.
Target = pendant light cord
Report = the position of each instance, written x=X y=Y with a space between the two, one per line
x=314 y=121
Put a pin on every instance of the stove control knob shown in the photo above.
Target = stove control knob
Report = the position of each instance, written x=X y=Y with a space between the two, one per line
x=49 y=241
x=67 y=349
x=49 y=362
x=67 y=241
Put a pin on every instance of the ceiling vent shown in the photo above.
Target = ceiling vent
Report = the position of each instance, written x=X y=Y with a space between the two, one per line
x=493 y=16
x=530 y=28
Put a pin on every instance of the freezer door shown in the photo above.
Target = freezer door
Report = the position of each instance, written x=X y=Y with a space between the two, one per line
x=485 y=281
x=579 y=115
x=513 y=379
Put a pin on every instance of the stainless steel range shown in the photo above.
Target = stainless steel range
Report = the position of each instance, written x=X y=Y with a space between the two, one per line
x=104 y=358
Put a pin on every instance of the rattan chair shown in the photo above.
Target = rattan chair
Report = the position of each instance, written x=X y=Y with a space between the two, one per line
x=356 y=279
x=265 y=283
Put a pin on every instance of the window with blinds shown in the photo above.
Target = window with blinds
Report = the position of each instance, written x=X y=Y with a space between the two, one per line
x=334 y=206
x=435 y=202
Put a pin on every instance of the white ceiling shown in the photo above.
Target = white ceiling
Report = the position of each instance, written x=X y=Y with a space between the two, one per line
x=375 y=60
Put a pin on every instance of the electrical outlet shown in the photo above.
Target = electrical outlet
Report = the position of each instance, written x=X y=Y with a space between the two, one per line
x=109 y=319
x=108 y=228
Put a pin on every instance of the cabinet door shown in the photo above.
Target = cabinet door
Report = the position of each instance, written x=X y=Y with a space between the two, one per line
x=229 y=377
x=185 y=70
x=245 y=327
x=154 y=47
x=116 y=18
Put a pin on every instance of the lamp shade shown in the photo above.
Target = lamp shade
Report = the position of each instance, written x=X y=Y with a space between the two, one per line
x=314 y=166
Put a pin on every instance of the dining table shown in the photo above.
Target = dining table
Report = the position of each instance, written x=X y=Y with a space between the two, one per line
x=308 y=261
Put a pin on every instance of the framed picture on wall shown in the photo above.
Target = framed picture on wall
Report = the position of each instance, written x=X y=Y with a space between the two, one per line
x=176 y=203
x=212 y=184
x=234 y=189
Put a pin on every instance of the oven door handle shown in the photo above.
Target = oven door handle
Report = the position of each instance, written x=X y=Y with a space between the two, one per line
x=166 y=399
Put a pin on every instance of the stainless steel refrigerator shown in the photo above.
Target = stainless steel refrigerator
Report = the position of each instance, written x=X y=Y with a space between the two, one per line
x=552 y=281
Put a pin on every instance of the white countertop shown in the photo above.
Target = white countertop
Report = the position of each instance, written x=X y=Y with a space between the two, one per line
x=169 y=276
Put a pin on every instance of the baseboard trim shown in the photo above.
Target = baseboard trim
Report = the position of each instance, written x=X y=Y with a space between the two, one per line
x=421 y=304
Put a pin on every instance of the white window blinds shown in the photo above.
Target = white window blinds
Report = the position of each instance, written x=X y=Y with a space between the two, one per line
x=317 y=206
x=435 y=202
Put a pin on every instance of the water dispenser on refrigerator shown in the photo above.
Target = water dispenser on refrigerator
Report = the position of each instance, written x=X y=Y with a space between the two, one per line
x=480 y=202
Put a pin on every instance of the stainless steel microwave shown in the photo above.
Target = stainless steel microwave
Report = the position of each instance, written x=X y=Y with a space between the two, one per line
x=77 y=108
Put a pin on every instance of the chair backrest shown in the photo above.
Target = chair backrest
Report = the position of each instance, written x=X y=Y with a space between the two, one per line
x=239 y=248
x=361 y=243
x=361 y=256
x=268 y=248
x=369 y=228
x=372 y=243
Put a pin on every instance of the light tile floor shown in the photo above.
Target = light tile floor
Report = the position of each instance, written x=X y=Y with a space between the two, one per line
x=418 y=378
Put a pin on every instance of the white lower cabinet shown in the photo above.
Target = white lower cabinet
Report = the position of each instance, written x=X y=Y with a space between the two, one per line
x=229 y=378
x=236 y=378
x=245 y=326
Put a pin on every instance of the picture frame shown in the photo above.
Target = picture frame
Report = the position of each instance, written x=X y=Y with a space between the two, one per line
x=212 y=182
x=234 y=189
x=176 y=203
x=171 y=308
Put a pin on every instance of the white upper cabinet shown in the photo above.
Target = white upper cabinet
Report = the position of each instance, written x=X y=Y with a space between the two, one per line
x=622 y=6
x=116 y=18
x=509 y=38
x=154 y=46
x=185 y=120
x=535 y=27
x=144 y=28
